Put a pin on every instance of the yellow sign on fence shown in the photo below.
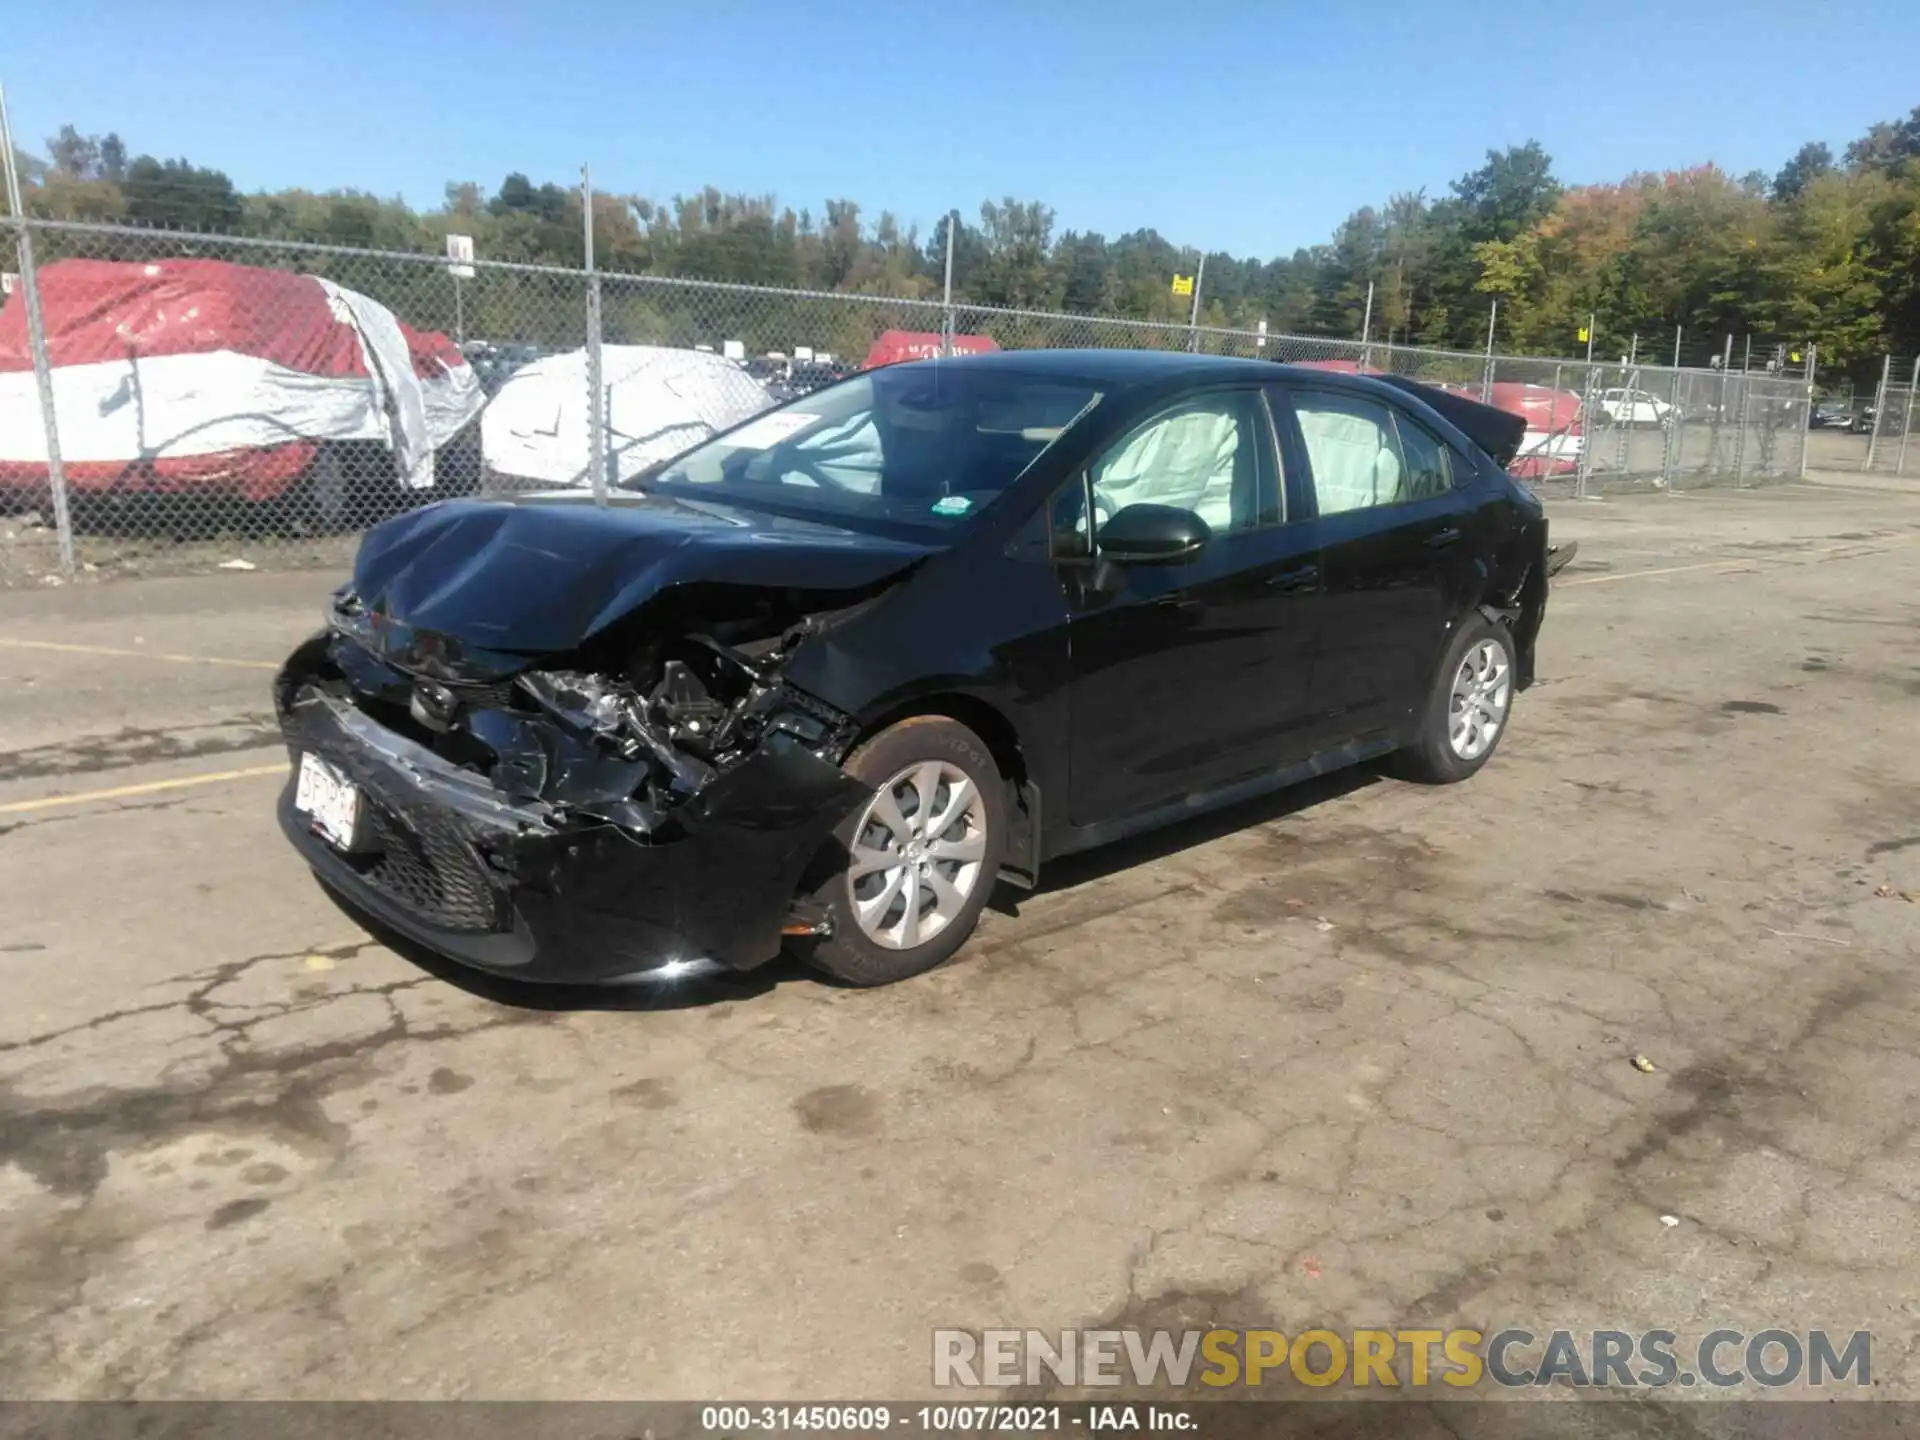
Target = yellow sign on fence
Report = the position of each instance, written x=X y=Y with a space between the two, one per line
x=1581 y=334
x=1183 y=284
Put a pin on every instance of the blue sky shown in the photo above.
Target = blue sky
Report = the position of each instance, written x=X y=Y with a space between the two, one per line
x=1244 y=127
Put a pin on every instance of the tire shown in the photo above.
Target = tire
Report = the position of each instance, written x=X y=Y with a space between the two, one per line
x=872 y=941
x=1442 y=753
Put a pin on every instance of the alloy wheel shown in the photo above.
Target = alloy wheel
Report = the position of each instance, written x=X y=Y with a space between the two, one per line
x=1477 y=708
x=916 y=854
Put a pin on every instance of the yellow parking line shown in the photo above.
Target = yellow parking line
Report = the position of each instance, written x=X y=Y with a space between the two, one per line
x=1850 y=551
x=1643 y=574
x=152 y=787
x=137 y=654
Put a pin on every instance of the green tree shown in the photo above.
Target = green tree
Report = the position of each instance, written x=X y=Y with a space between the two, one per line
x=180 y=195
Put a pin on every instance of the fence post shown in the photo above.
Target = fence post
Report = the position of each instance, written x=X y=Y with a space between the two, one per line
x=946 y=340
x=1879 y=412
x=1900 y=462
x=37 y=344
x=1366 y=331
x=1584 y=467
x=1678 y=331
x=1590 y=319
x=1623 y=461
x=1552 y=443
x=596 y=383
x=1720 y=411
x=1675 y=420
x=1740 y=432
x=1812 y=351
x=1486 y=378
x=1193 y=317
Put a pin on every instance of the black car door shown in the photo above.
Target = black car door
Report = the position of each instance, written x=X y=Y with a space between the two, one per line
x=1397 y=553
x=1190 y=674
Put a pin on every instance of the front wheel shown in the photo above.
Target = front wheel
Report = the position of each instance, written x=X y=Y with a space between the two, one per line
x=904 y=881
x=1466 y=712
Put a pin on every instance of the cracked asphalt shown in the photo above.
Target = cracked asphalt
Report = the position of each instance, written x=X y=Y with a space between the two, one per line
x=1356 y=1056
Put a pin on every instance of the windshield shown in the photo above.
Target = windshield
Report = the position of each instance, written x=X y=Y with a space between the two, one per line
x=926 y=445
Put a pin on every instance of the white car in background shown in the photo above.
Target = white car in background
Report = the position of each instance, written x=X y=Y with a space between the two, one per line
x=1636 y=408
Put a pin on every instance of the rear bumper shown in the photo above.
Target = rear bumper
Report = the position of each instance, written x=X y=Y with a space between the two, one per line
x=518 y=888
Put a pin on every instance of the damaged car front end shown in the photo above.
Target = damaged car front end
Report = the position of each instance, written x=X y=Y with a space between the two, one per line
x=651 y=797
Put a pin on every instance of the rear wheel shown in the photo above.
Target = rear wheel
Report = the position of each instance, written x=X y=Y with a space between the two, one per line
x=905 y=880
x=1466 y=712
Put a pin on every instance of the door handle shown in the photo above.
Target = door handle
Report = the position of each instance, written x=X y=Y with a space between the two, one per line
x=1440 y=539
x=1304 y=578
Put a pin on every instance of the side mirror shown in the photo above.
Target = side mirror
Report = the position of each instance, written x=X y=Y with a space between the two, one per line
x=1153 y=535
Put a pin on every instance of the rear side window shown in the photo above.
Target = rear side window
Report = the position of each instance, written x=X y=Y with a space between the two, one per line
x=1428 y=471
x=1364 y=455
x=1353 y=450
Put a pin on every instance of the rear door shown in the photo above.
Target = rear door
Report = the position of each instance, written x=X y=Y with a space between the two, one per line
x=1397 y=545
x=1189 y=675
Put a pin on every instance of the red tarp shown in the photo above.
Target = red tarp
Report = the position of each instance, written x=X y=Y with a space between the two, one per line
x=114 y=310
x=239 y=430
x=894 y=346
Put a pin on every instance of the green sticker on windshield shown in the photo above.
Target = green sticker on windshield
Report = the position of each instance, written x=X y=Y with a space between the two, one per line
x=952 y=505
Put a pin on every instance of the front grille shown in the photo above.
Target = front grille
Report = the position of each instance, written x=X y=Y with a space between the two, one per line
x=428 y=865
x=497 y=696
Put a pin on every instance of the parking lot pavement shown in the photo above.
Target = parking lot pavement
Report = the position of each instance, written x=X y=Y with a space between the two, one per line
x=1355 y=1056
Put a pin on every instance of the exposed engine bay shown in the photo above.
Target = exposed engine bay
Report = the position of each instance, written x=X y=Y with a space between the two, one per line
x=624 y=729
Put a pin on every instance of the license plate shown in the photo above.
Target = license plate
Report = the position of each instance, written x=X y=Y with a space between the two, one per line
x=329 y=800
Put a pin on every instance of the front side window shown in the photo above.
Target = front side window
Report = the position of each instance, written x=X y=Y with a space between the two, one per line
x=919 y=446
x=1210 y=455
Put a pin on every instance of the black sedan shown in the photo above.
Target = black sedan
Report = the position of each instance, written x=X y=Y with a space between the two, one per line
x=824 y=679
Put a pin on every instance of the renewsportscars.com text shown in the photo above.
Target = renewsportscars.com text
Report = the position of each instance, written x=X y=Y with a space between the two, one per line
x=1511 y=1358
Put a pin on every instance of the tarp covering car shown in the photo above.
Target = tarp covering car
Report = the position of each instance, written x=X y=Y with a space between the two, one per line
x=658 y=403
x=1555 y=433
x=894 y=346
x=1553 y=439
x=205 y=375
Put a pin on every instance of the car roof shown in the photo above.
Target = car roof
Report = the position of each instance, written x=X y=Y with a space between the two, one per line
x=1128 y=369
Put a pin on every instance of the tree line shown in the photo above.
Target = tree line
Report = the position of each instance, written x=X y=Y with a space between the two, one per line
x=1824 y=252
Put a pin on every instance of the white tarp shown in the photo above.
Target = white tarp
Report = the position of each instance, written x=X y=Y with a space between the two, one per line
x=175 y=406
x=658 y=401
x=390 y=365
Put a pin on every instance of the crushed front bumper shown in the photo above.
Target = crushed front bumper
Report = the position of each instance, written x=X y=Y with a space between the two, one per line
x=525 y=889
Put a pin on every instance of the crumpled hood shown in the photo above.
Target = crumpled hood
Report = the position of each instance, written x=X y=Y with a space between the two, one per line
x=533 y=577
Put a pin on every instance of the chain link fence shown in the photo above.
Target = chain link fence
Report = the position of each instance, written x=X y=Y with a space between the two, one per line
x=221 y=397
x=1891 y=416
